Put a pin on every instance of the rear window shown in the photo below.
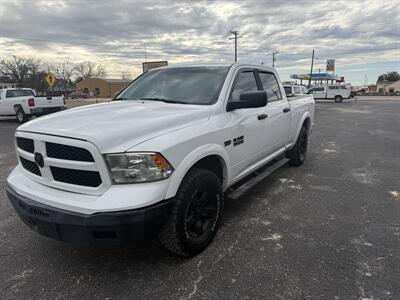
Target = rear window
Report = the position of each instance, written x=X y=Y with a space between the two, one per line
x=288 y=90
x=18 y=93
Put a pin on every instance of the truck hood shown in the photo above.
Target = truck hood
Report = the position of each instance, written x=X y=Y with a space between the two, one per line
x=119 y=125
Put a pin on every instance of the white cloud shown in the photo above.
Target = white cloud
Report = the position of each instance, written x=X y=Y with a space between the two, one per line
x=114 y=33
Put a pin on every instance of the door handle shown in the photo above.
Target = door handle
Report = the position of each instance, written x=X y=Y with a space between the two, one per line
x=262 y=117
x=287 y=109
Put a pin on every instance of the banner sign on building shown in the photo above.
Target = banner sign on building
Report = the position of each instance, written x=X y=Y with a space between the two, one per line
x=330 y=65
x=154 y=64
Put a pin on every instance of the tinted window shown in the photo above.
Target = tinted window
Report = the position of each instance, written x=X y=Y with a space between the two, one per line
x=18 y=93
x=288 y=90
x=246 y=82
x=317 y=89
x=190 y=85
x=271 y=86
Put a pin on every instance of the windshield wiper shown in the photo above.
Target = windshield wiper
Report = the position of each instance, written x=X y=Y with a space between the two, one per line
x=121 y=98
x=163 y=100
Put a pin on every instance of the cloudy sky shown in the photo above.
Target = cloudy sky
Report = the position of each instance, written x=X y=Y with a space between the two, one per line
x=362 y=35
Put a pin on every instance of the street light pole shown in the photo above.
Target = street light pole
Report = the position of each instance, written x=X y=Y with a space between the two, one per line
x=312 y=65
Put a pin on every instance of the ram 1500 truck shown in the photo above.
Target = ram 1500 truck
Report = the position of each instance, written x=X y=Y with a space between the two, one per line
x=160 y=158
x=22 y=103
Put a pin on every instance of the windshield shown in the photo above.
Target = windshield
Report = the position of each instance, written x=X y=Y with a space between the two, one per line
x=190 y=85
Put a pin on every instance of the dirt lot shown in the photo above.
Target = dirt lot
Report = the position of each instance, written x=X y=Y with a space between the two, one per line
x=327 y=230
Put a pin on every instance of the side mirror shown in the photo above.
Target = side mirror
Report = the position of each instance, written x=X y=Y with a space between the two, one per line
x=249 y=100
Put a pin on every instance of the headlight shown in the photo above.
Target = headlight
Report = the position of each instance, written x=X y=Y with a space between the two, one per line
x=138 y=167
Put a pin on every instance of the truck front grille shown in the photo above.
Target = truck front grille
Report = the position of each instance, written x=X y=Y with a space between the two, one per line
x=68 y=164
x=68 y=152
x=77 y=177
x=30 y=166
x=25 y=144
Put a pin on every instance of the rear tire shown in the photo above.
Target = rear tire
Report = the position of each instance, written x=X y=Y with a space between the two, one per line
x=297 y=154
x=195 y=215
x=338 y=99
x=21 y=116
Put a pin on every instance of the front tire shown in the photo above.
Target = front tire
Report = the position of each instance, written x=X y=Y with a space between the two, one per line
x=297 y=155
x=338 y=99
x=195 y=215
x=21 y=116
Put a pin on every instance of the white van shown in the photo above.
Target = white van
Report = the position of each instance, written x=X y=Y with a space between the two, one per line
x=333 y=91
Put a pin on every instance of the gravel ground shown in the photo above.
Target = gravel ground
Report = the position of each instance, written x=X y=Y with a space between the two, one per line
x=327 y=230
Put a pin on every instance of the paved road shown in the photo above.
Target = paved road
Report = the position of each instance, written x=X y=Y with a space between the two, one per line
x=327 y=230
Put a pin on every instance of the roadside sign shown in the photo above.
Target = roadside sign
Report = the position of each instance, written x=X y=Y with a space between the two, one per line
x=51 y=79
x=154 y=64
x=330 y=65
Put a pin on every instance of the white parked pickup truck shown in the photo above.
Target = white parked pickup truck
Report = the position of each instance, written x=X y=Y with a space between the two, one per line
x=22 y=103
x=160 y=158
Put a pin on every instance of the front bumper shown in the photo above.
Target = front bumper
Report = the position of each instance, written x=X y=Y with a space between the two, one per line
x=100 y=229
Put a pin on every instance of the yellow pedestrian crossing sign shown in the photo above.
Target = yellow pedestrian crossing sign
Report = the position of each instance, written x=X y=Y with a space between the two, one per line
x=50 y=79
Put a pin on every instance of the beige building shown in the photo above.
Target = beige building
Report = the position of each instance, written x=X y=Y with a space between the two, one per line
x=101 y=87
x=388 y=87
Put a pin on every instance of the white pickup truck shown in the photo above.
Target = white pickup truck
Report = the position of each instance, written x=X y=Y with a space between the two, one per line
x=160 y=158
x=22 y=103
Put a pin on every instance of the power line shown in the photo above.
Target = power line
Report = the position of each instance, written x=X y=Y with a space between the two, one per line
x=235 y=37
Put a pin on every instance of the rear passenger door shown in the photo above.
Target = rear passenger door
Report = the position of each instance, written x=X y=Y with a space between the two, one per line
x=278 y=110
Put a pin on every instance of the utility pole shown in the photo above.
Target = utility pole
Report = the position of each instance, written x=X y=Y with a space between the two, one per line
x=312 y=65
x=145 y=52
x=273 y=58
x=235 y=37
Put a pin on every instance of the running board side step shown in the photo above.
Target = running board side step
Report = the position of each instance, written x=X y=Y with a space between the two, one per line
x=242 y=189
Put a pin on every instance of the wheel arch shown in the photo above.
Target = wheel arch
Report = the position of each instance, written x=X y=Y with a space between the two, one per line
x=18 y=106
x=305 y=120
x=210 y=157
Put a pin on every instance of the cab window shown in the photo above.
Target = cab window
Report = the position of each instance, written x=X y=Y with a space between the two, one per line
x=270 y=85
x=18 y=93
x=246 y=82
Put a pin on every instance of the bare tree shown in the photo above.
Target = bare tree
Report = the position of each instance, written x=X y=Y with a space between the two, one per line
x=63 y=72
x=89 y=69
x=19 y=68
